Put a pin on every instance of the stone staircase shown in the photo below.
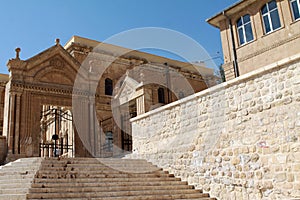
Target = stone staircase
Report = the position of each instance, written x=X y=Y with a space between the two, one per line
x=16 y=178
x=109 y=179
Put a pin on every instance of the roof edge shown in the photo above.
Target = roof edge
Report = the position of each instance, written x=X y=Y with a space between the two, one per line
x=214 y=20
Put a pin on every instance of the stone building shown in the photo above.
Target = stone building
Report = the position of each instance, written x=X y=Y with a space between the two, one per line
x=61 y=101
x=257 y=33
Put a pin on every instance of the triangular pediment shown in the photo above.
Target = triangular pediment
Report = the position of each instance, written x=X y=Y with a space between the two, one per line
x=44 y=55
x=54 y=65
x=127 y=90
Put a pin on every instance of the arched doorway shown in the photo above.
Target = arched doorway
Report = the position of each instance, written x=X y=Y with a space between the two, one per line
x=57 y=132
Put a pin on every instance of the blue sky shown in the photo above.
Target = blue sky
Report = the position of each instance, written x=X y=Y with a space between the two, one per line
x=33 y=25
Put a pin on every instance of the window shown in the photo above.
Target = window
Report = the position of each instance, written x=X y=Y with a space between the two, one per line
x=295 y=7
x=109 y=140
x=161 y=95
x=270 y=16
x=108 y=87
x=244 y=29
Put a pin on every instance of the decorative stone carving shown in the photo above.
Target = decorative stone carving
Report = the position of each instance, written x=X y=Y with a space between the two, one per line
x=57 y=63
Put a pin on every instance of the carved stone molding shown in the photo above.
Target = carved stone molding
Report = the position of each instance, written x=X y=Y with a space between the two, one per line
x=57 y=63
x=269 y=47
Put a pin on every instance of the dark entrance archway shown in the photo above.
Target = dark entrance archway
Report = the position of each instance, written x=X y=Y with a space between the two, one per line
x=57 y=132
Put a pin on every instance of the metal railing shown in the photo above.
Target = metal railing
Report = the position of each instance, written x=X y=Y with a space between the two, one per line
x=52 y=150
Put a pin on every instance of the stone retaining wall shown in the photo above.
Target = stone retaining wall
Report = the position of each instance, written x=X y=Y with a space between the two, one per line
x=3 y=149
x=238 y=140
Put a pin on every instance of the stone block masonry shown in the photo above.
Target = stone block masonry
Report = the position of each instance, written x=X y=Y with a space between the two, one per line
x=237 y=140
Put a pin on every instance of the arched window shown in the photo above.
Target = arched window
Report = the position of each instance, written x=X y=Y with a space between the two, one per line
x=161 y=95
x=295 y=7
x=108 y=87
x=270 y=16
x=244 y=29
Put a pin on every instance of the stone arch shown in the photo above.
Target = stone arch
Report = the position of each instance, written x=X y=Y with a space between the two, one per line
x=55 y=76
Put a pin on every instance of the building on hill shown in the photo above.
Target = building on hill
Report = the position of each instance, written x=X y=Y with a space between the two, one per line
x=257 y=33
x=48 y=100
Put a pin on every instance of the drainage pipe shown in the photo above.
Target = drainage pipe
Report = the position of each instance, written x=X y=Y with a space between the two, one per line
x=235 y=63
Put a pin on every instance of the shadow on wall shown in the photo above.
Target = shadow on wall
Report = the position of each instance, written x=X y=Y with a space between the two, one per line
x=3 y=149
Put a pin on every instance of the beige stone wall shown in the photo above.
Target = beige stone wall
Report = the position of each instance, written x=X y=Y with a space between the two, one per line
x=3 y=149
x=238 y=140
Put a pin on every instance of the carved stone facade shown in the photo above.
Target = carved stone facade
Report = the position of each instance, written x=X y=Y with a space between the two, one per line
x=246 y=31
x=77 y=100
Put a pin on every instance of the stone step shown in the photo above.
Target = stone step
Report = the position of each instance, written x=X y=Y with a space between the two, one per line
x=138 y=198
x=16 y=178
x=12 y=196
x=84 y=174
x=108 y=188
x=95 y=160
x=14 y=190
x=90 y=178
x=107 y=184
x=24 y=161
x=8 y=178
x=17 y=175
x=13 y=169
x=18 y=167
x=14 y=185
x=202 y=198
x=13 y=172
x=96 y=168
x=93 y=180
x=185 y=193
x=109 y=165
x=93 y=171
x=93 y=165
x=145 y=169
x=15 y=181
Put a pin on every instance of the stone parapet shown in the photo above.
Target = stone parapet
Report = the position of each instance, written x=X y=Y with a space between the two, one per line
x=237 y=140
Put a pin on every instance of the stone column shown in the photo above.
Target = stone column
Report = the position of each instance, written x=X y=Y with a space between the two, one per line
x=92 y=135
x=17 y=123
x=140 y=105
x=144 y=102
x=1 y=102
x=11 y=134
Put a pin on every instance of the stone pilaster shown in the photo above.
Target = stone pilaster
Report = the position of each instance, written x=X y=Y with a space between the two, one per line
x=17 y=124
x=11 y=133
